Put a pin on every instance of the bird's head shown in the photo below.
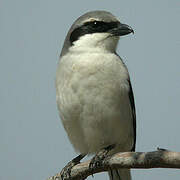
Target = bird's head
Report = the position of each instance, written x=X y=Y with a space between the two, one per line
x=96 y=29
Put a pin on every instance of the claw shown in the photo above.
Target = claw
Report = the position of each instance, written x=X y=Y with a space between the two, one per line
x=66 y=171
x=98 y=159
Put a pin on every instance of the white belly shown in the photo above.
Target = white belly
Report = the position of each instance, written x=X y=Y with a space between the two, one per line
x=92 y=97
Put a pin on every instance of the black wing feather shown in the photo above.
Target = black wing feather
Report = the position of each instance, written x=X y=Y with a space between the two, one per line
x=131 y=98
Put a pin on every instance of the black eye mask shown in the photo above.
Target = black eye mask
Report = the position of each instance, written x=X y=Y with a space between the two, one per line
x=92 y=27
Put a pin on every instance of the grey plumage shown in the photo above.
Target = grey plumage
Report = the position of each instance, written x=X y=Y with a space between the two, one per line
x=93 y=89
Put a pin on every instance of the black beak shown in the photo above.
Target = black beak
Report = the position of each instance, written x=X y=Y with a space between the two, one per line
x=121 y=30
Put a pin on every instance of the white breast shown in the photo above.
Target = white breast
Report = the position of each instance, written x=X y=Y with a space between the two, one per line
x=92 y=97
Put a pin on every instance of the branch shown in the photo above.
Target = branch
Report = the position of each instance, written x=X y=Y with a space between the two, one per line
x=144 y=160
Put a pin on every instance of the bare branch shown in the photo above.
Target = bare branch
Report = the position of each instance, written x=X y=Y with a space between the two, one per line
x=144 y=160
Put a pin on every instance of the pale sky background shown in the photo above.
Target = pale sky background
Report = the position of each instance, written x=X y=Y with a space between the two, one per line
x=33 y=143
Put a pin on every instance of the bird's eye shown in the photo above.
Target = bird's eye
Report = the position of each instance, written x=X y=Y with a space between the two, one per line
x=95 y=23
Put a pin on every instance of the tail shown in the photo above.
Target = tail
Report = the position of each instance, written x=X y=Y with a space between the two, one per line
x=120 y=174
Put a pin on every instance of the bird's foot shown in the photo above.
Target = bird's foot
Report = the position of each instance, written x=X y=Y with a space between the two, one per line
x=66 y=171
x=98 y=159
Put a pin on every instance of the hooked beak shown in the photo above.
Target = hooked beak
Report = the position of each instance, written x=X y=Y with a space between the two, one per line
x=121 y=30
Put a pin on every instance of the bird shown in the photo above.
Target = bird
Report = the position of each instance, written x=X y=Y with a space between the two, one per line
x=93 y=90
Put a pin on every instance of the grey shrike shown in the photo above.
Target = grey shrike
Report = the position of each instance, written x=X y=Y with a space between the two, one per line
x=93 y=90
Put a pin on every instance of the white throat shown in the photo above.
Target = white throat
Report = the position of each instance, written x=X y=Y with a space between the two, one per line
x=96 y=42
